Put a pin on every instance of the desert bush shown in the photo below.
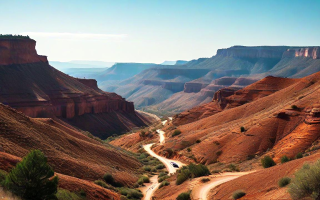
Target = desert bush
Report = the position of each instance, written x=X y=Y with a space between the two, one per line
x=218 y=153
x=142 y=134
x=162 y=178
x=299 y=155
x=67 y=195
x=100 y=183
x=131 y=193
x=204 y=180
x=267 y=162
x=250 y=157
x=182 y=176
x=242 y=129
x=198 y=170
x=198 y=141
x=108 y=178
x=143 y=179
x=2 y=177
x=82 y=193
x=147 y=168
x=32 y=178
x=238 y=194
x=306 y=182
x=164 y=183
x=294 y=107
x=188 y=149
x=184 y=196
x=233 y=167
x=191 y=171
x=160 y=166
x=215 y=171
x=176 y=132
x=170 y=152
x=284 y=181
x=284 y=159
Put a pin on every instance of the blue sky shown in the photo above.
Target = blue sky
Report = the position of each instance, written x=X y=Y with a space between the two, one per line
x=158 y=30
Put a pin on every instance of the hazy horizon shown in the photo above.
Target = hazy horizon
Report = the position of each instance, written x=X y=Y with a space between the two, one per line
x=158 y=31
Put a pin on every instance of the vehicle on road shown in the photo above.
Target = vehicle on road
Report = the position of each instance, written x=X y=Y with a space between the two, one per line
x=175 y=165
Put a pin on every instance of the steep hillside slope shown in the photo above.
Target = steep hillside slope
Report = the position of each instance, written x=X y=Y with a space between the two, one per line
x=284 y=122
x=32 y=86
x=149 y=88
x=69 y=151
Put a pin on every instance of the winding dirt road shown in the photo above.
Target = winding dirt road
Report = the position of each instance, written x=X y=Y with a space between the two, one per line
x=201 y=191
x=154 y=184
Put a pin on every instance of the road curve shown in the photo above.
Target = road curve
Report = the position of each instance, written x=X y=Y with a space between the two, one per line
x=201 y=192
x=164 y=160
x=161 y=135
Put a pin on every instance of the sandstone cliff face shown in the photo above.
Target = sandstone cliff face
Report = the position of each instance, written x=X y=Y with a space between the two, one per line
x=193 y=87
x=89 y=82
x=252 y=52
x=19 y=51
x=308 y=52
x=29 y=84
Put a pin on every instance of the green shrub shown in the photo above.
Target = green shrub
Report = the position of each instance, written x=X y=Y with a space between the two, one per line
x=198 y=141
x=198 y=170
x=143 y=179
x=188 y=149
x=184 y=196
x=147 y=168
x=176 y=132
x=67 y=195
x=267 y=162
x=306 y=182
x=191 y=171
x=162 y=178
x=238 y=194
x=182 y=176
x=294 y=107
x=299 y=155
x=2 y=177
x=32 y=178
x=131 y=193
x=160 y=166
x=108 y=178
x=164 y=183
x=82 y=193
x=242 y=129
x=233 y=167
x=284 y=159
x=284 y=181
x=101 y=183
x=204 y=180
x=218 y=153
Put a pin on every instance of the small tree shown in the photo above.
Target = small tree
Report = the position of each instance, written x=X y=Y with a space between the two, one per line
x=242 y=129
x=33 y=178
x=267 y=162
x=284 y=159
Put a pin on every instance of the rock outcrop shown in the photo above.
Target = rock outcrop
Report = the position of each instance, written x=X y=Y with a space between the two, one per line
x=307 y=52
x=29 y=84
x=253 y=52
x=19 y=51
